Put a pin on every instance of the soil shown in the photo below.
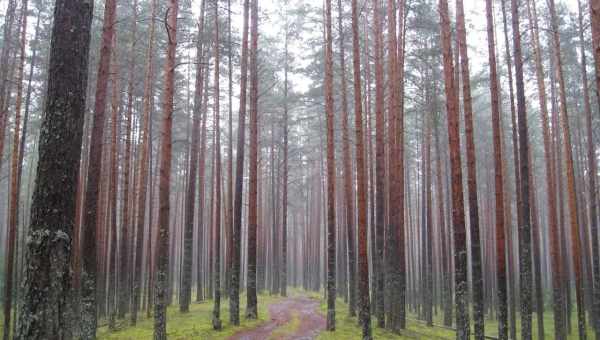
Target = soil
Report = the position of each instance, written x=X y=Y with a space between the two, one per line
x=312 y=322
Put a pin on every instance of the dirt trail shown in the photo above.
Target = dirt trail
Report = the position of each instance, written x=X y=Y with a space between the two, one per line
x=311 y=322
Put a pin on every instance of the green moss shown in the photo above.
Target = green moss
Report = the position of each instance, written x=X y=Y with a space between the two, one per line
x=193 y=325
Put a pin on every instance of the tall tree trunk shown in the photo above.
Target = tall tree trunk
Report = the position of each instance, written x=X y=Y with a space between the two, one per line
x=90 y=225
x=592 y=171
x=7 y=45
x=558 y=303
x=126 y=217
x=363 y=264
x=348 y=175
x=477 y=275
x=234 y=296
x=142 y=185
x=114 y=179
x=216 y=317
x=526 y=285
x=379 y=166
x=185 y=295
x=47 y=278
x=570 y=172
x=331 y=263
x=501 y=275
x=458 y=215
x=285 y=179
x=162 y=247
x=252 y=303
x=13 y=211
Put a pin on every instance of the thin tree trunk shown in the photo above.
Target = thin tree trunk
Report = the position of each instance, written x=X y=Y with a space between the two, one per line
x=252 y=303
x=162 y=247
x=185 y=295
x=142 y=185
x=458 y=217
x=126 y=217
x=363 y=264
x=477 y=276
x=592 y=171
x=501 y=275
x=570 y=172
x=90 y=218
x=216 y=317
x=558 y=303
x=348 y=175
x=234 y=296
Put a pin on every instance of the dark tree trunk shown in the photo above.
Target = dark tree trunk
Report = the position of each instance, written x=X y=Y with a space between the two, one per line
x=47 y=278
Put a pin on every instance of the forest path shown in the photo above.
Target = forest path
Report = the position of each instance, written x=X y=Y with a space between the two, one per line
x=294 y=318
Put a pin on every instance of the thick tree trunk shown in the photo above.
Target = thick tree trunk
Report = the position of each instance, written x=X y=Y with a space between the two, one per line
x=162 y=247
x=47 y=278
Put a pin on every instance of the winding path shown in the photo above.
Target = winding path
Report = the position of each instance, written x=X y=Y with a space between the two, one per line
x=284 y=312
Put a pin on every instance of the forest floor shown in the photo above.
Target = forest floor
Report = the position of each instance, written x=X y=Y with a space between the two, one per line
x=300 y=316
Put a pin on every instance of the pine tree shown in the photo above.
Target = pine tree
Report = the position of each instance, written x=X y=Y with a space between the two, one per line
x=47 y=277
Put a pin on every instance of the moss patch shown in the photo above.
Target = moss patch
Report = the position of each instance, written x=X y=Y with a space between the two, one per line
x=193 y=325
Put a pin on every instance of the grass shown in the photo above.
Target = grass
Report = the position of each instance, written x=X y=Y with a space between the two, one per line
x=347 y=327
x=197 y=324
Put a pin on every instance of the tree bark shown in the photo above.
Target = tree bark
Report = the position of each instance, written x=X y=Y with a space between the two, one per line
x=501 y=275
x=234 y=295
x=363 y=264
x=331 y=263
x=142 y=185
x=90 y=256
x=162 y=247
x=570 y=172
x=47 y=278
x=252 y=303
x=458 y=214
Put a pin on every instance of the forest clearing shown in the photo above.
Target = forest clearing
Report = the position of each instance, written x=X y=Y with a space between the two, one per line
x=284 y=169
